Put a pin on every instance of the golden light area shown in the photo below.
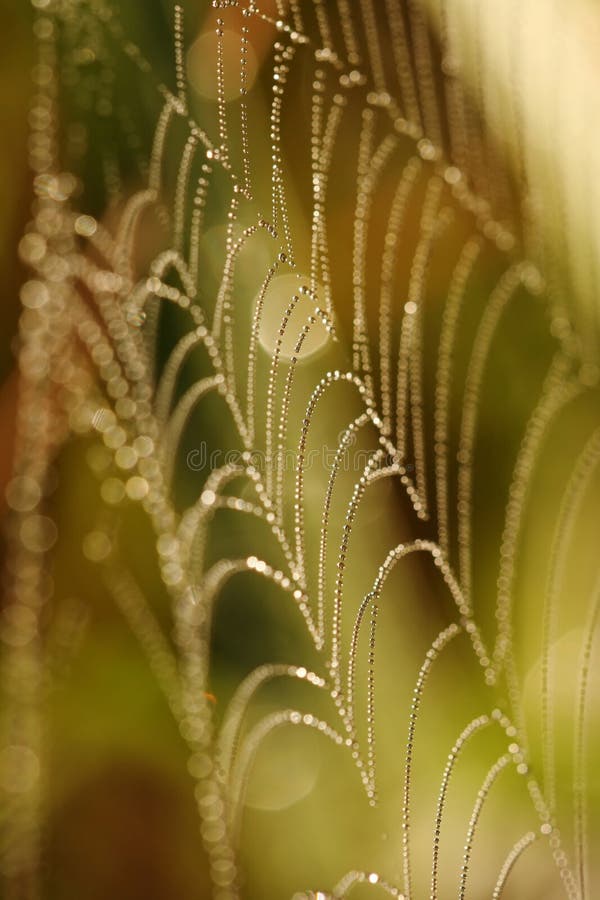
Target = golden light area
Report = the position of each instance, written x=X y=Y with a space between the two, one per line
x=564 y=657
x=202 y=62
x=285 y=770
x=278 y=299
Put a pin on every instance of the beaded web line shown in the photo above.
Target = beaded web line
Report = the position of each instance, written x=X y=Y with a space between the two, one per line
x=385 y=122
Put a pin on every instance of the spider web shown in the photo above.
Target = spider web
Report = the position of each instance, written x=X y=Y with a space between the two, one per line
x=292 y=306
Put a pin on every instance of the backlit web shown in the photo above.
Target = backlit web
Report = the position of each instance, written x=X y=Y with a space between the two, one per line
x=290 y=304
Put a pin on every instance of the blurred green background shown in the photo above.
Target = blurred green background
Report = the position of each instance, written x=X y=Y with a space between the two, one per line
x=120 y=816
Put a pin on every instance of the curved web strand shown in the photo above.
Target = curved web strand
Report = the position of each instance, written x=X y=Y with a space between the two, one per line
x=383 y=105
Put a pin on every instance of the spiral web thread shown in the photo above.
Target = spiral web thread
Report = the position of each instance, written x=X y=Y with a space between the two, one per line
x=384 y=120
